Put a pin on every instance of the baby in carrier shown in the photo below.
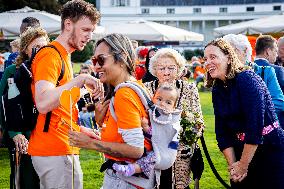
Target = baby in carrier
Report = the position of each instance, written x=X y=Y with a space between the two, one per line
x=165 y=99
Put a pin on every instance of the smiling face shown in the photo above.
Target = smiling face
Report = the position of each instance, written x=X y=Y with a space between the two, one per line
x=110 y=71
x=216 y=62
x=165 y=99
x=80 y=32
x=166 y=69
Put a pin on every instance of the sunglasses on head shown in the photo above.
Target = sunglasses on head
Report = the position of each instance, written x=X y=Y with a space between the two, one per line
x=100 y=59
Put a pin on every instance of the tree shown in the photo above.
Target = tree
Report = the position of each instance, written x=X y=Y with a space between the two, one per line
x=199 y=52
x=82 y=56
x=62 y=2
x=188 y=54
x=51 y=6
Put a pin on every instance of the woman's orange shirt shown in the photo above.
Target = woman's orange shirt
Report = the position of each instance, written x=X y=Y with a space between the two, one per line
x=129 y=111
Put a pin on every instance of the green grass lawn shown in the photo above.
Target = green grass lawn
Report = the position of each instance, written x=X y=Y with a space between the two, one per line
x=91 y=160
x=76 y=67
x=208 y=179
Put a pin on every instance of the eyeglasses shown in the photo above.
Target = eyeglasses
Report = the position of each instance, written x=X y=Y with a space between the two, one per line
x=100 y=59
x=170 y=68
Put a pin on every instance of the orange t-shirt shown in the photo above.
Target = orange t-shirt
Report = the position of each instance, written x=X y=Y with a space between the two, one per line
x=129 y=111
x=47 y=66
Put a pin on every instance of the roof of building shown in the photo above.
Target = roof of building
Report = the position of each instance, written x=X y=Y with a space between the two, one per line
x=204 y=2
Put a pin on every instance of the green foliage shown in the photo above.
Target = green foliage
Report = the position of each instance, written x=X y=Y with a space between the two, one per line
x=82 y=56
x=92 y=2
x=199 y=52
x=61 y=2
x=51 y=6
x=76 y=67
x=190 y=123
x=188 y=54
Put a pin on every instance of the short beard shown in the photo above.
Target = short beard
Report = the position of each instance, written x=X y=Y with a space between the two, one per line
x=71 y=41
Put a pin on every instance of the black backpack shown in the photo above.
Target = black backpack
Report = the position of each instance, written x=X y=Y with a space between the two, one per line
x=20 y=113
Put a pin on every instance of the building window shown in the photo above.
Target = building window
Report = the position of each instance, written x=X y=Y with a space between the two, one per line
x=120 y=3
x=196 y=10
x=250 y=9
x=223 y=9
x=145 y=11
x=170 y=11
x=277 y=8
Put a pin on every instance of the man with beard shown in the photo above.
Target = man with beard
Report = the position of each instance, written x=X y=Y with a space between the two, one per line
x=48 y=145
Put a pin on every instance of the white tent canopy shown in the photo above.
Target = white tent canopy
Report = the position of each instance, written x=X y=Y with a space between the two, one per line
x=10 y=22
x=271 y=24
x=152 y=31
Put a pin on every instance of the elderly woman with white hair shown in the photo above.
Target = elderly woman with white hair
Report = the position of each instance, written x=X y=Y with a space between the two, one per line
x=167 y=65
x=243 y=49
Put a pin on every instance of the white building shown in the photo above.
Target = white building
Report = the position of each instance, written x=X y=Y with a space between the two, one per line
x=200 y=16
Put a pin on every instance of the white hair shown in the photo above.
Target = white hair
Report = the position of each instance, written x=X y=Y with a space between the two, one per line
x=240 y=42
x=170 y=53
x=280 y=41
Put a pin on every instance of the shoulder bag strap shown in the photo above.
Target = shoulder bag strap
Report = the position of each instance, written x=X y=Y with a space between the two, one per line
x=48 y=115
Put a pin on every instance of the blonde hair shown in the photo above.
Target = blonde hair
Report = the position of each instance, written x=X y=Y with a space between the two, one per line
x=167 y=53
x=16 y=44
x=26 y=38
x=234 y=64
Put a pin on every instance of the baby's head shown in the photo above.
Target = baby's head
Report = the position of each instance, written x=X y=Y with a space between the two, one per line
x=166 y=97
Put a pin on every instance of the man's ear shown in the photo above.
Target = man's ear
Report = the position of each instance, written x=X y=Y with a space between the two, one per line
x=267 y=52
x=68 y=24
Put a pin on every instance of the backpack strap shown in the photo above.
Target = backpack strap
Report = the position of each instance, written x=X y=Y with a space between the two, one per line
x=262 y=76
x=262 y=72
x=145 y=99
x=48 y=115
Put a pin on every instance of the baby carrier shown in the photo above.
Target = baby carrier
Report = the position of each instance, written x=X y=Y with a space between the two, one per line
x=165 y=129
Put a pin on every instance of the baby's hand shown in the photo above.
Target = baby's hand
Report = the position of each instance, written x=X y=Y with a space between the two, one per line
x=144 y=122
x=145 y=125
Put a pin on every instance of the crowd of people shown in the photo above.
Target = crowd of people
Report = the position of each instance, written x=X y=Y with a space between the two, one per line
x=122 y=123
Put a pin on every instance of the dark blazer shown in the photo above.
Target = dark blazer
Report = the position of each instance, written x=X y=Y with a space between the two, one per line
x=278 y=70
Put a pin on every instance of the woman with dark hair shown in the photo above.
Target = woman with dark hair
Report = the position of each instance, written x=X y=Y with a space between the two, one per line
x=122 y=138
x=148 y=76
x=246 y=126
